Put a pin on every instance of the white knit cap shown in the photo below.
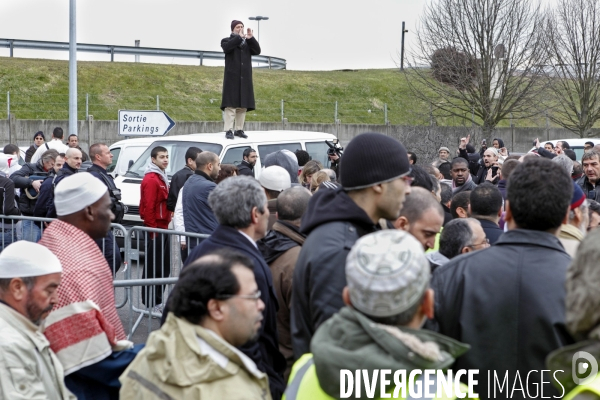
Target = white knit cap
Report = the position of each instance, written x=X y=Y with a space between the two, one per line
x=76 y=192
x=24 y=259
x=387 y=273
x=275 y=178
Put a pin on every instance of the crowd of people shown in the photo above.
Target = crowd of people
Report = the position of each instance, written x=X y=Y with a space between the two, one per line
x=485 y=261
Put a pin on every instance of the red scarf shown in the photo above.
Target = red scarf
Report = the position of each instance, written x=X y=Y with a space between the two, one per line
x=84 y=327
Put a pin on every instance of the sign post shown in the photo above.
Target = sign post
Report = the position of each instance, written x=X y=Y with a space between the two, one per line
x=144 y=123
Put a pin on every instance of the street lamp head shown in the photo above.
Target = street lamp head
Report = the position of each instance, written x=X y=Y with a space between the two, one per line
x=258 y=18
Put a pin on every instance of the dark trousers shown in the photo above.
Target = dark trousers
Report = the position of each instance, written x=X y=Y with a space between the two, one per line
x=157 y=265
x=109 y=247
x=100 y=381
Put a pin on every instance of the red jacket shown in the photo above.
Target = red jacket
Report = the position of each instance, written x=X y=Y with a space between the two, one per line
x=153 y=202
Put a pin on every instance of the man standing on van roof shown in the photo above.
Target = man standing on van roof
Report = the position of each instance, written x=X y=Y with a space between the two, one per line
x=238 y=92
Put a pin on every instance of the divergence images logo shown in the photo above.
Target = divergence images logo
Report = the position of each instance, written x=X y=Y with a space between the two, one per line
x=580 y=367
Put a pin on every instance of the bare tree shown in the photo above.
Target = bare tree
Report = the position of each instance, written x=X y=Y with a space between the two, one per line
x=574 y=70
x=502 y=40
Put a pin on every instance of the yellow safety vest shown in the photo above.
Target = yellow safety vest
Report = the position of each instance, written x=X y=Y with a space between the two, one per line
x=593 y=386
x=304 y=384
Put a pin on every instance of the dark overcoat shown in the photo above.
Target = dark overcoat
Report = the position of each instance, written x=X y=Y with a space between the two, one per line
x=508 y=303
x=238 y=91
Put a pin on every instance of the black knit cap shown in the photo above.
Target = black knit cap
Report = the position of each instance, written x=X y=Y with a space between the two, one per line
x=39 y=133
x=235 y=23
x=370 y=159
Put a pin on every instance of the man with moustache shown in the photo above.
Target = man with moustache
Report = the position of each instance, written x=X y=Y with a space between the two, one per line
x=29 y=278
x=461 y=177
x=215 y=307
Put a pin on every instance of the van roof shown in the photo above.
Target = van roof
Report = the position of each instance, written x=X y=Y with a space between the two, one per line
x=253 y=136
x=144 y=140
x=574 y=142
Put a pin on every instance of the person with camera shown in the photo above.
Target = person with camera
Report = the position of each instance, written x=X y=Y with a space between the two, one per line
x=334 y=152
x=101 y=158
x=29 y=180
x=334 y=159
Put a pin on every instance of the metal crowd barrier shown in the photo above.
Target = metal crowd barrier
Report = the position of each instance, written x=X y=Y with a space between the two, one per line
x=154 y=258
x=21 y=227
x=143 y=277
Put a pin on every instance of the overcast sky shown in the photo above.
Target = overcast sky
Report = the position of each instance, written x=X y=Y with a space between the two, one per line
x=309 y=34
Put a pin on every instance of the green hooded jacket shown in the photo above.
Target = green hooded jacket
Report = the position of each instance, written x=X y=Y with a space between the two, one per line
x=349 y=340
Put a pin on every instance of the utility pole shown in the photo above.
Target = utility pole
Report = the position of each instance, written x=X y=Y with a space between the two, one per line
x=72 y=68
x=402 y=48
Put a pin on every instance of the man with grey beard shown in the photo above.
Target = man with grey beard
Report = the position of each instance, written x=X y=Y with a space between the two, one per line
x=29 y=277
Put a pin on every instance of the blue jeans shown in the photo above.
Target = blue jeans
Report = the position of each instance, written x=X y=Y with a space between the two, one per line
x=31 y=232
x=7 y=237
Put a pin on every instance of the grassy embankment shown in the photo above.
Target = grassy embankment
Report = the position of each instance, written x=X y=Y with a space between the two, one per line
x=39 y=90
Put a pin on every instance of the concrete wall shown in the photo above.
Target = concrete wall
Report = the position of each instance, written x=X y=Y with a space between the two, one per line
x=424 y=140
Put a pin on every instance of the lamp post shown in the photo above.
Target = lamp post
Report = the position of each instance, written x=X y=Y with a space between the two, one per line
x=258 y=18
x=402 y=48
x=72 y=68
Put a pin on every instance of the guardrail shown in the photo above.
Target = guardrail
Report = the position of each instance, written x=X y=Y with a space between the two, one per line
x=267 y=61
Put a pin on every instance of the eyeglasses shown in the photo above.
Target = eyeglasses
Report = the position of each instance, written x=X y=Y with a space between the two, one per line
x=254 y=296
x=486 y=242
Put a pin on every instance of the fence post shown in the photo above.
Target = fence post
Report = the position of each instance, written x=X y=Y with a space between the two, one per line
x=90 y=126
x=335 y=114
x=11 y=48
x=7 y=105
x=385 y=117
x=87 y=105
x=157 y=103
x=282 y=111
x=137 y=56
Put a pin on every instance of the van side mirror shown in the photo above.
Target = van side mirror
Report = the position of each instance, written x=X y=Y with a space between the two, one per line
x=129 y=164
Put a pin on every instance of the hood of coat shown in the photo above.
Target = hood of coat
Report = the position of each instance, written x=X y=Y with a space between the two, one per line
x=175 y=355
x=350 y=340
x=154 y=169
x=437 y=258
x=570 y=232
x=332 y=205
x=285 y=161
x=278 y=241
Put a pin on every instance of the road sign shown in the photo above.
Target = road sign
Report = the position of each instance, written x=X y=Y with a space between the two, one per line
x=144 y=123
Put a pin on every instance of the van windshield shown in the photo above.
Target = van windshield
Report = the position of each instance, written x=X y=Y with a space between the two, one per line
x=176 y=151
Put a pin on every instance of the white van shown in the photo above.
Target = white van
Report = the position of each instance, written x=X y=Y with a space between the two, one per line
x=229 y=151
x=125 y=153
x=575 y=144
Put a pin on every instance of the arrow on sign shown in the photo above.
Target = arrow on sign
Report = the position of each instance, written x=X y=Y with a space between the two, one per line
x=144 y=123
